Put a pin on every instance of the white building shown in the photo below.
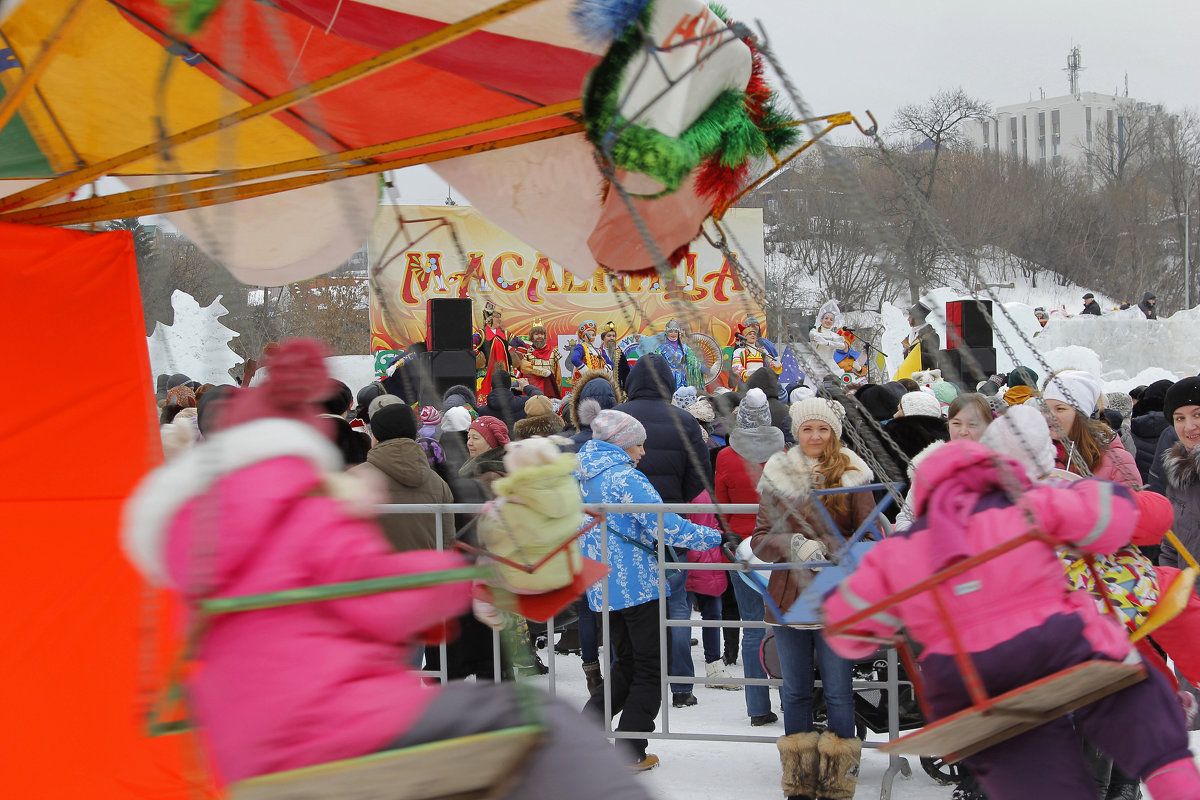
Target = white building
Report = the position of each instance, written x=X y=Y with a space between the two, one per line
x=1053 y=131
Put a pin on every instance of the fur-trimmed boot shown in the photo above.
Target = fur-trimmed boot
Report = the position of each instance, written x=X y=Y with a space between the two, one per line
x=798 y=756
x=839 y=766
x=595 y=679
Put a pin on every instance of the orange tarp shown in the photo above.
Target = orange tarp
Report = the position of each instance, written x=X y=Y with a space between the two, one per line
x=77 y=431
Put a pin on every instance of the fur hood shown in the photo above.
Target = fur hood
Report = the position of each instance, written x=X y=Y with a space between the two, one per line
x=921 y=456
x=790 y=474
x=166 y=490
x=538 y=425
x=578 y=395
x=1182 y=467
x=756 y=445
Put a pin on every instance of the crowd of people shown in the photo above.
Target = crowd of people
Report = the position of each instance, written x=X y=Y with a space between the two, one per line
x=1091 y=467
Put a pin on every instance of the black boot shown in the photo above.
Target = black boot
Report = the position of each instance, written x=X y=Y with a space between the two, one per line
x=1122 y=787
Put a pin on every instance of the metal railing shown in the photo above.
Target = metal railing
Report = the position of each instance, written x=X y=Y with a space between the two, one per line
x=896 y=764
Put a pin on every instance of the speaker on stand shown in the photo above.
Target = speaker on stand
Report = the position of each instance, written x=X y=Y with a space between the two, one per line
x=450 y=359
x=448 y=324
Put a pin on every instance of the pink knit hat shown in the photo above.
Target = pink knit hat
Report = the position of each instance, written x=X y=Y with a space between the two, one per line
x=430 y=416
x=297 y=381
x=619 y=428
x=494 y=432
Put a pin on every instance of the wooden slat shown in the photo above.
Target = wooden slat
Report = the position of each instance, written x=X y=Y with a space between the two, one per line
x=467 y=767
x=974 y=729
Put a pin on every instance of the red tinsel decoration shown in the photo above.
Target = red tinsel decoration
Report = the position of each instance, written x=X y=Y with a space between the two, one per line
x=718 y=182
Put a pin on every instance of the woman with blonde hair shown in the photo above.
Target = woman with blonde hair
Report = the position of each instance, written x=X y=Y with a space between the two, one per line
x=790 y=528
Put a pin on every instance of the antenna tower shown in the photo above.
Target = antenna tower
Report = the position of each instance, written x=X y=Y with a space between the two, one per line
x=1074 y=66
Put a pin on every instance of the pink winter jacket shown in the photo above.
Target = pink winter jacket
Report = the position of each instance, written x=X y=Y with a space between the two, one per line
x=305 y=684
x=961 y=509
x=706 y=581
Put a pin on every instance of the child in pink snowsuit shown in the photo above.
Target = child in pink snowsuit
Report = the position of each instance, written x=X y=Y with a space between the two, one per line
x=1018 y=620
x=262 y=505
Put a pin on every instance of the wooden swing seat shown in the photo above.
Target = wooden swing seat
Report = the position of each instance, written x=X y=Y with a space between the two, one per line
x=1002 y=717
x=465 y=768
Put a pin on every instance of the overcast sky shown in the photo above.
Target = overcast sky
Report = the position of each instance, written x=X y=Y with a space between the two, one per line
x=882 y=54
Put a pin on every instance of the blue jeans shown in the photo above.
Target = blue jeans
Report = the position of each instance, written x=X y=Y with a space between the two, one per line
x=679 y=640
x=589 y=624
x=710 y=608
x=796 y=647
x=750 y=604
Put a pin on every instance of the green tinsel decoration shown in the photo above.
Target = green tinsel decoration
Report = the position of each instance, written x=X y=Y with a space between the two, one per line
x=725 y=130
x=188 y=16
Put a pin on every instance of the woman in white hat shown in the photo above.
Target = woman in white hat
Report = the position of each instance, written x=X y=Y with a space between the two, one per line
x=1084 y=444
x=791 y=528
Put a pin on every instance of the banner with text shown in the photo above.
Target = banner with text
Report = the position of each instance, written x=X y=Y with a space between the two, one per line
x=456 y=252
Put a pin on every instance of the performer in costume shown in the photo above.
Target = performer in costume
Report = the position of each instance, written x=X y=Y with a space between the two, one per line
x=586 y=355
x=614 y=354
x=763 y=341
x=491 y=351
x=540 y=365
x=685 y=366
x=752 y=354
x=922 y=335
x=833 y=345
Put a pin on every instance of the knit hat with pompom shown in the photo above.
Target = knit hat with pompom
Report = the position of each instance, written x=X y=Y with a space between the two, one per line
x=588 y=409
x=753 y=412
x=296 y=383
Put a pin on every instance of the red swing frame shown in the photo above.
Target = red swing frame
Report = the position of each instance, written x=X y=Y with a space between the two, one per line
x=992 y=719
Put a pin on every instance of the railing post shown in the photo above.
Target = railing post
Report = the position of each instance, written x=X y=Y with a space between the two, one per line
x=664 y=633
x=443 y=660
x=607 y=628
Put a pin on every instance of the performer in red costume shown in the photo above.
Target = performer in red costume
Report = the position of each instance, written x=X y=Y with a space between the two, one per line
x=540 y=366
x=491 y=354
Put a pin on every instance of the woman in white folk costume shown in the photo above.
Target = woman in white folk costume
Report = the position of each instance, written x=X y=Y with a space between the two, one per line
x=831 y=345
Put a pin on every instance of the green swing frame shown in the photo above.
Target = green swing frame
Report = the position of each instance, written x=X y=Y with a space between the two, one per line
x=427 y=771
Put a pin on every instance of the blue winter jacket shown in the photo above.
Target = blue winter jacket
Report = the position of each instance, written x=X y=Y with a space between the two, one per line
x=606 y=475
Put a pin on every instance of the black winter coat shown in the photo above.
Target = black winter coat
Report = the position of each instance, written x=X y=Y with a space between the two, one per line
x=914 y=434
x=1146 y=430
x=504 y=406
x=674 y=445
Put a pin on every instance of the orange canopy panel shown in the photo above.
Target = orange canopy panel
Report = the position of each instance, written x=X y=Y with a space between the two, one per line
x=70 y=452
x=123 y=76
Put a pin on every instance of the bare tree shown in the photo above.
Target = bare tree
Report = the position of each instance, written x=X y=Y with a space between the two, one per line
x=925 y=133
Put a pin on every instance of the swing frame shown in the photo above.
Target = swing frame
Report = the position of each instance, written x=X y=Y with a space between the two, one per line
x=988 y=721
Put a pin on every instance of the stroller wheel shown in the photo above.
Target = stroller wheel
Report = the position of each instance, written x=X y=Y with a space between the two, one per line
x=940 y=771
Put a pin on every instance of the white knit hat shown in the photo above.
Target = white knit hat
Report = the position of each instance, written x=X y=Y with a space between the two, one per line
x=1075 y=388
x=801 y=393
x=827 y=411
x=1022 y=434
x=920 y=404
x=456 y=418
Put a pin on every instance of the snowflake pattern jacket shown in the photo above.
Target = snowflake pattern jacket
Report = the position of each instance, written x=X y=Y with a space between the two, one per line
x=607 y=475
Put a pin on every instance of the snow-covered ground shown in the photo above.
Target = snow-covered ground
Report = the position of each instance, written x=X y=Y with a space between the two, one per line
x=712 y=770
x=700 y=770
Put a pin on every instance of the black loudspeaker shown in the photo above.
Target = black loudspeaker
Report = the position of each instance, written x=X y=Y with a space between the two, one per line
x=966 y=326
x=958 y=368
x=448 y=323
x=450 y=368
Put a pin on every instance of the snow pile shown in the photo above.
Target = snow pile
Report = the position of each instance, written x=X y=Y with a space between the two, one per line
x=1122 y=348
x=354 y=371
x=196 y=345
x=1130 y=344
